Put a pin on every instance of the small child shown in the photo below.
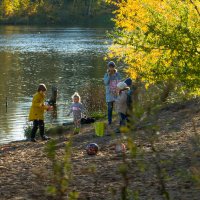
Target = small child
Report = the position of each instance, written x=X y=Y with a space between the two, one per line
x=77 y=110
x=121 y=103
x=36 y=113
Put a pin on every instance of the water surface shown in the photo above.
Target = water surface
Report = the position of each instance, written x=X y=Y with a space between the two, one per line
x=65 y=57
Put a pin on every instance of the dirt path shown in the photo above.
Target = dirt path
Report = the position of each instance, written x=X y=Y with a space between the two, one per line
x=24 y=166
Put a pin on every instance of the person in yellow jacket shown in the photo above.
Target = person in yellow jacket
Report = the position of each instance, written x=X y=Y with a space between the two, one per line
x=36 y=113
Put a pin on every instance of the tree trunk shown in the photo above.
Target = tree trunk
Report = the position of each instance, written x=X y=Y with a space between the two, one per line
x=169 y=86
x=89 y=12
x=54 y=94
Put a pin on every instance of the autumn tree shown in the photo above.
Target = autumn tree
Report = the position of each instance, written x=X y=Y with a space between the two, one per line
x=7 y=7
x=53 y=11
x=159 y=41
x=11 y=8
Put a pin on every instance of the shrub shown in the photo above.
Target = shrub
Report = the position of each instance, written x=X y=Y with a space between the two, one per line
x=93 y=99
x=28 y=128
x=61 y=172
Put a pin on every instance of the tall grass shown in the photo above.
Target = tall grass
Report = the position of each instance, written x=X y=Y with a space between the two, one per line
x=60 y=175
x=93 y=99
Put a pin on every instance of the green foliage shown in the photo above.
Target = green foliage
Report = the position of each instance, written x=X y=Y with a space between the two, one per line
x=159 y=41
x=49 y=130
x=28 y=128
x=73 y=195
x=27 y=131
x=61 y=172
x=143 y=116
x=98 y=115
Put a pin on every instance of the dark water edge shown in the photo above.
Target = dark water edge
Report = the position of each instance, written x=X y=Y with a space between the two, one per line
x=103 y=21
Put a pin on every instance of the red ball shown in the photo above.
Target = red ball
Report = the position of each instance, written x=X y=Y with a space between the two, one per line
x=92 y=149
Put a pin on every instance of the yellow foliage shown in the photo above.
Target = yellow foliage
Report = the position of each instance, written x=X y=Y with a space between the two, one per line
x=17 y=7
x=145 y=58
x=7 y=6
x=132 y=14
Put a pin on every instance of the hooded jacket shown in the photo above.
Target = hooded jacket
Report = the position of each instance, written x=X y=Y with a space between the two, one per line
x=121 y=102
x=38 y=107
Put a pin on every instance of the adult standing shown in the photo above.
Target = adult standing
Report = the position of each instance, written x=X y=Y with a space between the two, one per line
x=111 y=79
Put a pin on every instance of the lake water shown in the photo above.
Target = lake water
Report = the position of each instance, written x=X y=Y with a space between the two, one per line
x=65 y=57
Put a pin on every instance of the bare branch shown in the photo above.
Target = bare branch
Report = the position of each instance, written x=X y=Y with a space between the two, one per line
x=195 y=6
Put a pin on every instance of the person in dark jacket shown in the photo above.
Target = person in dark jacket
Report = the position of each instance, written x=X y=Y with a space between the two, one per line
x=131 y=96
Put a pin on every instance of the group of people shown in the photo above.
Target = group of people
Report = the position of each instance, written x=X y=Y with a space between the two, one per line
x=117 y=91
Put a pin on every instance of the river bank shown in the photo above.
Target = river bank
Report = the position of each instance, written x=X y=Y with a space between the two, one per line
x=25 y=167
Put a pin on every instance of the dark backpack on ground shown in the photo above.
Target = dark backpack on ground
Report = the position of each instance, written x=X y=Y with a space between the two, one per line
x=87 y=120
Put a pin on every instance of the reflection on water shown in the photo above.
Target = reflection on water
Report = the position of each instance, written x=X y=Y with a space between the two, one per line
x=65 y=57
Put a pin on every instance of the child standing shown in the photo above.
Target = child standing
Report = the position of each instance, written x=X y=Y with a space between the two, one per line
x=121 y=103
x=77 y=110
x=36 y=113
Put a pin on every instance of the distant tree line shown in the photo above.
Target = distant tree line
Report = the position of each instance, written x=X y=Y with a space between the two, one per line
x=55 y=12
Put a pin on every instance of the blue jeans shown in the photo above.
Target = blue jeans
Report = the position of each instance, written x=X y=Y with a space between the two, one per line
x=123 y=119
x=110 y=110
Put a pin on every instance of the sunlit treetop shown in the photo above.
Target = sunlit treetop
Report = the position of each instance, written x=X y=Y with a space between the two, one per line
x=158 y=40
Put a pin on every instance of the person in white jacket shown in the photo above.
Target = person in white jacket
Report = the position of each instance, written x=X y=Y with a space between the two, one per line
x=121 y=103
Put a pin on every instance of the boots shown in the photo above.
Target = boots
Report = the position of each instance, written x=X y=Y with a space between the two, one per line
x=44 y=137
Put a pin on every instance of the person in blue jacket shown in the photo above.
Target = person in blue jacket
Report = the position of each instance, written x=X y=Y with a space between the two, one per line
x=111 y=79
